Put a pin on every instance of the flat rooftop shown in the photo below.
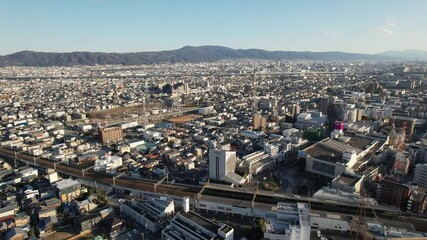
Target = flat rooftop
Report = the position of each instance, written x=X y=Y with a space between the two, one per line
x=205 y=223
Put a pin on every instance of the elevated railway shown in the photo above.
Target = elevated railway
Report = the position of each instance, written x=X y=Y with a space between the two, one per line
x=219 y=192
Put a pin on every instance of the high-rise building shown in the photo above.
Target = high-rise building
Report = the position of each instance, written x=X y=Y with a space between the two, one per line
x=108 y=135
x=336 y=112
x=323 y=104
x=420 y=175
x=221 y=162
x=258 y=121
x=373 y=87
x=294 y=110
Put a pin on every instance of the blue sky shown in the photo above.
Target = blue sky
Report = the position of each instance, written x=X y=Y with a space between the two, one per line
x=364 y=26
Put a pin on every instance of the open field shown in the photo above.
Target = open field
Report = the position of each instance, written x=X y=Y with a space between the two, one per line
x=184 y=118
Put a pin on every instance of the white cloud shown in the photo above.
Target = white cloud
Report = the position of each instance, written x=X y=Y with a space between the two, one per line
x=387 y=29
x=381 y=31
x=391 y=23
x=330 y=33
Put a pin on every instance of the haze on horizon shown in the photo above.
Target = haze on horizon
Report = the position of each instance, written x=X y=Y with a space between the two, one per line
x=360 y=26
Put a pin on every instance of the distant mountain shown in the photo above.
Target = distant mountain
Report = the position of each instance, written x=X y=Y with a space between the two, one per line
x=185 y=54
x=406 y=55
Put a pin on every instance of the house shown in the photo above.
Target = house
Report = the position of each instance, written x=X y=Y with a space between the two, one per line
x=112 y=226
x=68 y=190
x=47 y=226
x=84 y=206
x=21 y=219
x=16 y=234
x=86 y=222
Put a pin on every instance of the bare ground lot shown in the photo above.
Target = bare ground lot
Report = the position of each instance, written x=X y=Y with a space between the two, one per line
x=184 y=118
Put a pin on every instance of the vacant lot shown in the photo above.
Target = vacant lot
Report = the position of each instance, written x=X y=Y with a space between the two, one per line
x=184 y=118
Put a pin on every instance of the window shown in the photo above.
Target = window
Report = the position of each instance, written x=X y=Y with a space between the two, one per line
x=324 y=168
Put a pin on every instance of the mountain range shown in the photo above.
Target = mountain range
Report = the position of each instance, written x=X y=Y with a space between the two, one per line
x=406 y=55
x=187 y=54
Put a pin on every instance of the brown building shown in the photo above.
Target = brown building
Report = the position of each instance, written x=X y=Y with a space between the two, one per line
x=391 y=192
x=258 y=121
x=112 y=134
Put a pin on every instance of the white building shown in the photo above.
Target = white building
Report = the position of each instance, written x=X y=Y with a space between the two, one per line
x=310 y=118
x=272 y=150
x=222 y=164
x=149 y=214
x=26 y=172
x=290 y=222
x=420 y=175
x=192 y=226
x=108 y=163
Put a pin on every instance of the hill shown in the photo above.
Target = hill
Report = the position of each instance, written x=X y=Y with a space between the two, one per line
x=406 y=55
x=185 y=54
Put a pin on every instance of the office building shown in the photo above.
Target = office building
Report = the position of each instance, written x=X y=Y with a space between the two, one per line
x=222 y=164
x=420 y=175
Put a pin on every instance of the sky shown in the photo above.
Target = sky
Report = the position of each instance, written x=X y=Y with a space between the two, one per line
x=361 y=26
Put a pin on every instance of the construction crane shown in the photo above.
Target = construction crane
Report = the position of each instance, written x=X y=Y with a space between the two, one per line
x=358 y=224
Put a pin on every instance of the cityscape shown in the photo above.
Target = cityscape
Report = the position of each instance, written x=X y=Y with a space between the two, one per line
x=208 y=142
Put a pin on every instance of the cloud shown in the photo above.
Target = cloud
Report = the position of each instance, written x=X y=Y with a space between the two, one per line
x=381 y=31
x=330 y=33
x=387 y=29
x=391 y=23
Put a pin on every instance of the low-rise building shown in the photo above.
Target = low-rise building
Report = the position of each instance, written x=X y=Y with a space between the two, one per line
x=192 y=226
x=68 y=190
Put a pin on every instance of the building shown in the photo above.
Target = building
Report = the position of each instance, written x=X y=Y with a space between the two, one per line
x=112 y=226
x=86 y=222
x=222 y=164
x=323 y=104
x=52 y=175
x=336 y=112
x=406 y=123
x=150 y=214
x=108 y=135
x=108 y=163
x=391 y=192
x=332 y=157
x=417 y=203
x=258 y=121
x=28 y=172
x=291 y=221
x=310 y=119
x=68 y=190
x=192 y=226
x=257 y=162
x=420 y=175
x=401 y=164
x=373 y=88
x=421 y=154
x=294 y=110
